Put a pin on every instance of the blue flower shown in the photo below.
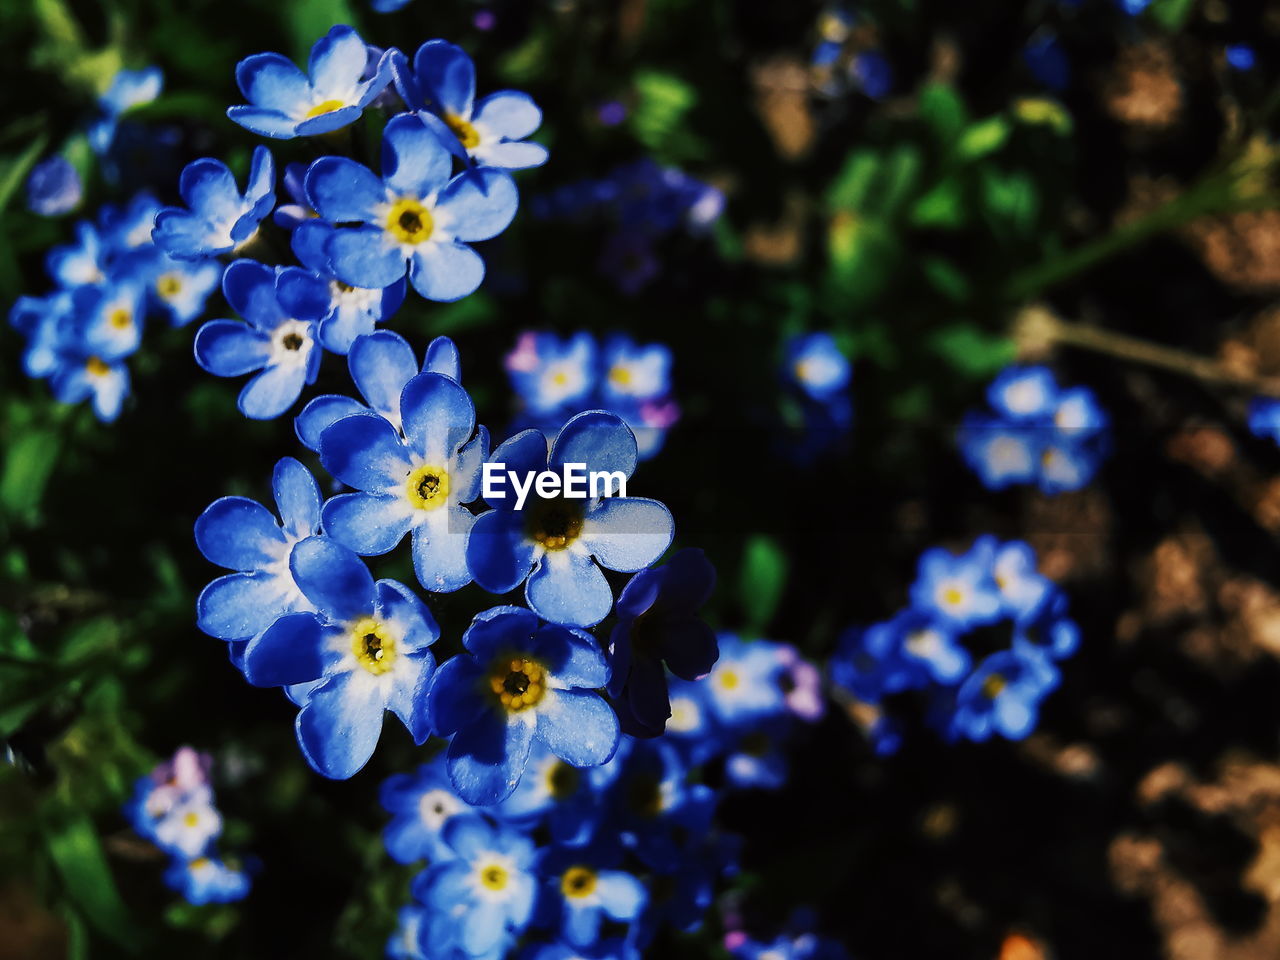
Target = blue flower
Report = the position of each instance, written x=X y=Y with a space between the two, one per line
x=743 y=685
x=1000 y=453
x=53 y=187
x=658 y=624
x=285 y=103
x=421 y=804
x=207 y=880
x=556 y=792
x=290 y=215
x=1013 y=565
x=128 y=89
x=42 y=320
x=109 y=319
x=1003 y=695
x=220 y=218
x=1047 y=61
x=76 y=264
x=381 y=363
x=441 y=86
x=958 y=589
x=930 y=650
x=1045 y=628
x=584 y=887
x=82 y=376
x=417 y=483
x=757 y=758
x=653 y=807
x=181 y=287
x=484 y=896
x=1264 y=418
x=282 y=307
x=520 y=682
x=692 y=727
x=406 y=942
x=414 y=218
x=241 y=535
x=555 y=543
x=550 y=375
x=353 y=311
x=817 y=365
x=1241 y=56
x=369 y=642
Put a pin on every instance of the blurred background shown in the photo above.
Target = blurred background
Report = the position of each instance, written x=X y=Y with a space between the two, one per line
x=944 y=189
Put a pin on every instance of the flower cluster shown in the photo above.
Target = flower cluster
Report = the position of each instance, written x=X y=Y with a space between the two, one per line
x=596 y=862
x=817 y=374
x=846 y=57
x=1038 y=433
x=173 y=808
x=109 y=281
x=981 y=638
x=643 y=202
x=555 y=379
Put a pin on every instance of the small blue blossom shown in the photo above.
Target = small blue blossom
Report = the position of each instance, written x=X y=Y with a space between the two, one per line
x=1264 y=418
x=205 y=880
x=282 y=307
x=958 y=589
x=484 y=896
x=555 y=792
x=1241 y=56
x=658 y=626
x=369 y=643
x=220 y=218
x=584 y=887
x=1046 y=629
x=414 y=218
x=421 y=804
x=743 y=685
x=520 y=682
x=53 y=187
x=1047 y=61
x=416 y=483
x=558 y=544
x=1003 y=695
x=1023 y=393
x=285 y=103
x=817 y=365
x=441 y=86
x=128 y=89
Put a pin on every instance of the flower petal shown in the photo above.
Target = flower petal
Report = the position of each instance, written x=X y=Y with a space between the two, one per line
x=343 y=191
x=487 y=758
x=627 y=533
x=337 y=60
x=297 y=497
x=365 y=451
x=445 y=271
x=578 y=727
x=273 y=82
x=361 y=257
x=414 y=162
x=321 y=413
x=333 y=578
x=499 y=555
x=339 y=727
x=272 y=392
x=229 y=348
x=291 y=650
x=370 y=524
x=478 y=203
x=600 y=440
x=239 y=534
x=568 y=588
x=240 y=605
x=381 y=364
x=439 y=416
x=508 y=113
x=446 y=76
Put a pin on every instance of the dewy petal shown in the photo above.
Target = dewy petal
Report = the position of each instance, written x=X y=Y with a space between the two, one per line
x=309 y=241
x=343 y=191
x=487 y=758
x=328 y=122
x=365 y=451
x=408 y=698
x=229 y=348
x=600 y=440
x=508 y=113
x=264 y=122
x=360 y=257
x=442 y=357
x=339 y=727
x=499 y=628
x=250 y=288
x=440 y=549
x=446 y=271
x=572 y=656
x=453 y=698
x=438 y=416
x=301 y=294
x=291 y=650
x=568 y=588
x=499 y=555
x=337 y=60
x=240 y=605
x=400 y=606
x=447 y=76
x=273 y=82
x=578 y=727
x=333 y=578
x=414 y=162
x=627 y=533
x=621 y=894
x=381 y=363
x=239 y=534
x=370 y=524
x=272 y=392
x=511 y=154
x=478 y=203
x=297 y=497
x=209 y=189
x=321 y=413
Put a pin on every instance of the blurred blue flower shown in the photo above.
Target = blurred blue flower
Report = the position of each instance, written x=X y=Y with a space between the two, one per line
x=206 y=880
x=53 y=187
x=420 y=803
x=1003 y=695
x=220 y=218
x=584 y=887
x=128 y=89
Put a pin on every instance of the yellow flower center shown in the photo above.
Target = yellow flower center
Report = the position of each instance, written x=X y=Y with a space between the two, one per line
x=554 y=524
x=464 y=131
x=199 y=863
x=952 y=596
x=409 y=221
x=494 y=877
x=328 y=106
x=121 y=318
x=993 y=686
x=428 y=487
x=560 y=378
x=517 y=683
x=729 y=679
x=168 y=285
x=578 y=882
x=373 y=645
x=620 y=376
x=562 y=780
x=96 y=367
x=192 y=819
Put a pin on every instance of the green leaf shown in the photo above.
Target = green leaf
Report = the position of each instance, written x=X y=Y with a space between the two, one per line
x=658 y=120
x=943 y=110
x=469 y=313
x=764 y=574
x=75 y=851
x=943 y=206
x=28 y=462
x=188 y=104
x=946 y=278
x=971 y=350
x=851 y=185
x=309 y=20
x=1171 y=14
x=983 y=138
